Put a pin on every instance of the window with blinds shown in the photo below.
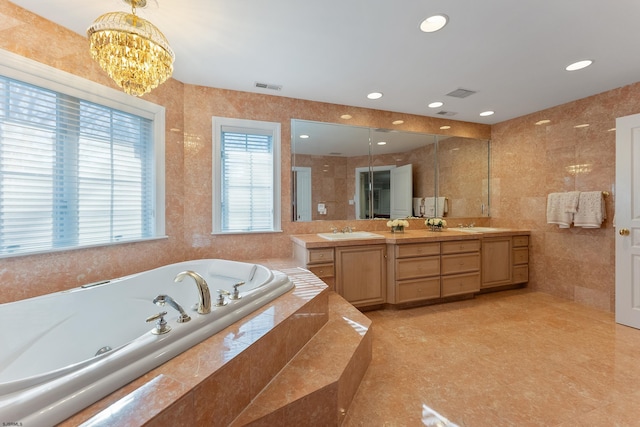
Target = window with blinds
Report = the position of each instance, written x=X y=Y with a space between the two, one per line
x=72 y=173
x=246 y=176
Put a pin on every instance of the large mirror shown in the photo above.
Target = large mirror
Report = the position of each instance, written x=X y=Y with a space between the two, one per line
x=344 y=172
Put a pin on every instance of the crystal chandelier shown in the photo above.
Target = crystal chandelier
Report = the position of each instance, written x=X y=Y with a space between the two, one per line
x=134 y=53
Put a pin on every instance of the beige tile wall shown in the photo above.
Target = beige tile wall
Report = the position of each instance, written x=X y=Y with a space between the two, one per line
x=529 y=161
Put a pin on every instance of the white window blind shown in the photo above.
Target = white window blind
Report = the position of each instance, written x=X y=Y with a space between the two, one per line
x=72 y=173
x=246 y=176
x=247 y=181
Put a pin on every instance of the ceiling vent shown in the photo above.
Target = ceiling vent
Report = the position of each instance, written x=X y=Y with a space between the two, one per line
x=268 y=86
x=461 y=93
x=446 y=113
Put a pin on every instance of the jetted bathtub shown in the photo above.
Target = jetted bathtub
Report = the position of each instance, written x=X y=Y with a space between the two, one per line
x=63 y=351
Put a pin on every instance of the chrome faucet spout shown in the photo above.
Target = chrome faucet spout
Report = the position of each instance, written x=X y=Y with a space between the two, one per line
x=204 y=305
x=161 y=300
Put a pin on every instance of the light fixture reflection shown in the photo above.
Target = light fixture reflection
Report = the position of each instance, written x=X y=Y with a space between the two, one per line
x=133 y=52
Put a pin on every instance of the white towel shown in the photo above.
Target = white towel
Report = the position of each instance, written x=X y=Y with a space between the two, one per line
x=556 y=212
x=418 y=206
x=591 y=210
x=435 y=207
x=570 y=201
x=443 y=206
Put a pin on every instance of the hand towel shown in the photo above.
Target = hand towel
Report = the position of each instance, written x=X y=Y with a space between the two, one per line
x=591 y=210
x=418 y=206
x=430 y=207
x=556 y=211
x=570 y=201
x=434 y=207
x=443 y=205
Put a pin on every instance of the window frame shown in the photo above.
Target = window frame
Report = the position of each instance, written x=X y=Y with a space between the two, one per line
x=32 y=72
x=261 y=127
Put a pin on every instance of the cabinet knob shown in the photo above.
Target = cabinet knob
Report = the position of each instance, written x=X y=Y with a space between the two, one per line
x=624 y=232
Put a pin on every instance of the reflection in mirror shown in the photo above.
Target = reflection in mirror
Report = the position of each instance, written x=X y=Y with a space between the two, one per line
x=463 y=176
x=347 y=172
x=330 y=154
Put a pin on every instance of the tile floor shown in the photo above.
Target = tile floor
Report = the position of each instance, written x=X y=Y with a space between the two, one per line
x=513 y=358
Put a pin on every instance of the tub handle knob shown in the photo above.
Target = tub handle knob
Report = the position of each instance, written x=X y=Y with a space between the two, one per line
x=161 y=324
x=221 y=301
x=236 y=293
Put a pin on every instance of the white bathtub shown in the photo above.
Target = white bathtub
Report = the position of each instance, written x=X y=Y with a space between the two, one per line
x=48 y=364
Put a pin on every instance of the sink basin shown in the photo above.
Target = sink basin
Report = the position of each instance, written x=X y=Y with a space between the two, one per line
x=477 y=229
x=350 y=236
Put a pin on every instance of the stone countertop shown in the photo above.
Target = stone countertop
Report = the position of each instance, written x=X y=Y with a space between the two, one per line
x=408 y=236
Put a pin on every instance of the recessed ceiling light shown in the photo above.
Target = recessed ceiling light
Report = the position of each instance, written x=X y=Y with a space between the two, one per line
x=445 y=127
x=303 y=136
x=579 y=65
x=434 y=23
x=382 y=143
x=487 y=113
x=345 y=116
x=375 y=95
x=584 y=125
x=543 y=122
x=397 y=122
x=436 y=104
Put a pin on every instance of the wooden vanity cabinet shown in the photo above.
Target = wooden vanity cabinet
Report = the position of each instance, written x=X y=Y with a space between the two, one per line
x=460 y=267
x=496 y=261
x=414 y=272
x=520 y=259
x=361 y=274
x=319 y=261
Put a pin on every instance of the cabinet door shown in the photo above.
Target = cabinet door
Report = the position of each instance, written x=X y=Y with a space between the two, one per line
x=361 y=274
x=496 y=262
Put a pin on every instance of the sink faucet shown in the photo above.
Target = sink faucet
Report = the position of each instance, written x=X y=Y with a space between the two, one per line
x=204 y=306
x=161 y=300
x=347 y=229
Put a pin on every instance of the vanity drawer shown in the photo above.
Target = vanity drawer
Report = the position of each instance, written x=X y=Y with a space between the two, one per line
x=322 y=270
x=521 y=274
x=520 y=256
x=317 y=256
x=460 y=284
x=416 y=290
x=410 y=268
x=520 y=241
x=460 y=246
x=460 y=263
x=417 y=249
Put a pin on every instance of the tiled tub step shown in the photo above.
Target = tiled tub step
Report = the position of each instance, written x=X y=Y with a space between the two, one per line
x=316 y=387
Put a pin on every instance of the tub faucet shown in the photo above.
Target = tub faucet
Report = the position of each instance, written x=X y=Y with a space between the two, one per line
x=204 y=306
x=161 y=300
